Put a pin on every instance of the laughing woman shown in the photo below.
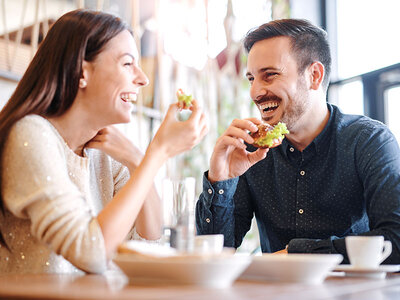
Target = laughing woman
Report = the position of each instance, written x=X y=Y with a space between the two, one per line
x=72 y=186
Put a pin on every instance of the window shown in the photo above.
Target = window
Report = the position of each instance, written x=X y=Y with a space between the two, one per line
x=392 y=108
x=349 y=97
x=367 y=33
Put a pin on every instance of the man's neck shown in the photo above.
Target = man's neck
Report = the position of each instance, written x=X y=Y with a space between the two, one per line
x=309 y=127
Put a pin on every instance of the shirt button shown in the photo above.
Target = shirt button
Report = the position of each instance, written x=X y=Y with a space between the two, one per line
x=301 y=211
x=302 y=173
x=220 y=192
x=291 y=149
x=209 y=191
x=208 y=220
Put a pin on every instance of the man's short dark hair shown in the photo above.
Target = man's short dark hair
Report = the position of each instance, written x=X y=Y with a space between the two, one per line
x=309 y=43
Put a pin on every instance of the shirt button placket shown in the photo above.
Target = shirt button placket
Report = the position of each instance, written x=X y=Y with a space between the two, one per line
x=300 y=202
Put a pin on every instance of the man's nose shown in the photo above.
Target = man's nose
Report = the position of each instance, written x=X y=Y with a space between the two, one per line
x=257 y=90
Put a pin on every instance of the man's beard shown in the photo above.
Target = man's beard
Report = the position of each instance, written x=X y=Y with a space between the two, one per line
x=297 y=106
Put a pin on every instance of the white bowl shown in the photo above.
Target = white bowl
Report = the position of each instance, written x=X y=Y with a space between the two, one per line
x=213 y=271
x=303 y=268
x=209 y=244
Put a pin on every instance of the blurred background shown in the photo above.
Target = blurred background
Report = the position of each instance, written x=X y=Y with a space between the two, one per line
x=196 y=45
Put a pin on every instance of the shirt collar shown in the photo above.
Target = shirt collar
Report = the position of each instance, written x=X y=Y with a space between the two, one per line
x=323 y=137
x=320 y=140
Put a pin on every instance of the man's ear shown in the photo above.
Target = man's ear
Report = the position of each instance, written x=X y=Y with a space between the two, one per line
x=316 y=73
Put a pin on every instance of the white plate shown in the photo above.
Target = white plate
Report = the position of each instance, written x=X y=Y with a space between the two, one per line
x=379 y=272
x=216 y=271
x=302 y=268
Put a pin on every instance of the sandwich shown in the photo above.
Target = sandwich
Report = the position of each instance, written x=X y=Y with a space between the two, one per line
x=269 y=136
x=184 y=101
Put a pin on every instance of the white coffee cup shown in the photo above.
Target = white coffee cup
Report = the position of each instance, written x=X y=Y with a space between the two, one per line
x=209 y=243
x=367 y=251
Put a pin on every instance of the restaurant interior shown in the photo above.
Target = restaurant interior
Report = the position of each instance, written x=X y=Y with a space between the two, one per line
x=196 y=45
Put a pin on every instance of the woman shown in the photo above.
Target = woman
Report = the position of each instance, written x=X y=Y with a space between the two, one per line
x=72 y=186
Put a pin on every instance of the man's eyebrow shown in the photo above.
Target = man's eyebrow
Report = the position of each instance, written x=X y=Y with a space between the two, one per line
x=263 y=70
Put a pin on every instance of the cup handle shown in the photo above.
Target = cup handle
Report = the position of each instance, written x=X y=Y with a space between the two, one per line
x=387 y=250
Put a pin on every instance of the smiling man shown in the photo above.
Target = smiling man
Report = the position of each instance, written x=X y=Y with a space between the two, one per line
x=334 y=175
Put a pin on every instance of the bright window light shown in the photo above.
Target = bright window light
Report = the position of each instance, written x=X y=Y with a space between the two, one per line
x=192 y=34
x=350 y=97
x=392 y=97
x=367 y=33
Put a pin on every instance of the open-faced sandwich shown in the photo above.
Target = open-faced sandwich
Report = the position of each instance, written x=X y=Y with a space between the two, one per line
x=184 y=101
x=269 y=136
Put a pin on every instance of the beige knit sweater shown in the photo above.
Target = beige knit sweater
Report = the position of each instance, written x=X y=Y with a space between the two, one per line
x=52 y=197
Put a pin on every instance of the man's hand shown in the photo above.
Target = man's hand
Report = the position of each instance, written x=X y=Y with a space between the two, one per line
x=230 y=158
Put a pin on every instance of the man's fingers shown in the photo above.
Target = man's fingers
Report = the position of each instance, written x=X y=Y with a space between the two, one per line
x=230 y=141
x=244 y=124
x=239 y=134
x=254 y=120
x=257 y=155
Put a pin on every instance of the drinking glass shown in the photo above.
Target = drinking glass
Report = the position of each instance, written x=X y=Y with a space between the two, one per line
x=178 y=213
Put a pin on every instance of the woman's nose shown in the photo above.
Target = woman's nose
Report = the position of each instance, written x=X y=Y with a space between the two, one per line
x=140 y=78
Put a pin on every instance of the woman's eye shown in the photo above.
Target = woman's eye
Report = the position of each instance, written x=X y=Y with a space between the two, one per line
x=128 y=64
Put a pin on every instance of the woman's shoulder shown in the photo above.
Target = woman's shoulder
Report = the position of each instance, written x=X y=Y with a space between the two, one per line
x=32 y=129
x=30 y=121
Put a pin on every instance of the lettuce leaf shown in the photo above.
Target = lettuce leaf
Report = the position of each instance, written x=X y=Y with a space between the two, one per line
x=278 y=132
x=187 y=99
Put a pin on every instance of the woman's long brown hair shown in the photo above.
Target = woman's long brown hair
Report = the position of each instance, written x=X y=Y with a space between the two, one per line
x=50 y=83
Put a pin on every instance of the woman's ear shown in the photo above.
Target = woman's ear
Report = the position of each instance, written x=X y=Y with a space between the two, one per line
x=317 y=73
x=83 y=81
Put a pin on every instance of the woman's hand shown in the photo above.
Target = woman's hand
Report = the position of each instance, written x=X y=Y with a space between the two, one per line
x=113 y=142
x=174 y=137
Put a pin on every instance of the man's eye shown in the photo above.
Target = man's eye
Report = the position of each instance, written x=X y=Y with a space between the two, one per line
x=270 y=74
x=250 y=79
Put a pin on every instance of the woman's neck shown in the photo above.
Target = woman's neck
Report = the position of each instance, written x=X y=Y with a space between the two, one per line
x=75 y=130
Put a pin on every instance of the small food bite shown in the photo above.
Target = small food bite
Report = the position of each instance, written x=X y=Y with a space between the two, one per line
x=184 y=101
x=269 y=136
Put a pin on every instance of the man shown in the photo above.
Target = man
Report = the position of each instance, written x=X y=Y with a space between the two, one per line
x=334 y=175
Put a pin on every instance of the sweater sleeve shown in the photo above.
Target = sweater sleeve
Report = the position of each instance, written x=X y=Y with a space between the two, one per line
x=36 y=186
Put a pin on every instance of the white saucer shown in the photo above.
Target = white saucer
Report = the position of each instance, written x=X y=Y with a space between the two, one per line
x=379 y=272
x=298 y=268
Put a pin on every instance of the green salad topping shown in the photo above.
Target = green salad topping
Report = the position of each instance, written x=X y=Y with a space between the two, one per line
x=187 y=99
x=278 y=132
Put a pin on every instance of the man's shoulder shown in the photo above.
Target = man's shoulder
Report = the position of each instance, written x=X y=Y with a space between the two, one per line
x=357 y=124
x=361 y=132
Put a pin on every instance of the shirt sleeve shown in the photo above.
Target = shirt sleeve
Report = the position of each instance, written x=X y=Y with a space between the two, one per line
x=36 y=186
x=377 y=158
x=121 y=175
x=216 y=212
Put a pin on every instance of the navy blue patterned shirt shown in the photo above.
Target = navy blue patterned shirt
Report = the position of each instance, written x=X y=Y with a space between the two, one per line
x=346 y=182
